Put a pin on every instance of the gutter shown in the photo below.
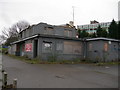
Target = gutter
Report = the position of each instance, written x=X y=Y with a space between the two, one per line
x=24 y=39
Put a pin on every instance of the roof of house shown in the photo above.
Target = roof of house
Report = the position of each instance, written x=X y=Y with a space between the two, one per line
x=66 y=38
x=102 y=38
x=47 y=36
x=65 y=26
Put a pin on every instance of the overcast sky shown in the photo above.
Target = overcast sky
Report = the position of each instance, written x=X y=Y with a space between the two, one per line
x=57 y=12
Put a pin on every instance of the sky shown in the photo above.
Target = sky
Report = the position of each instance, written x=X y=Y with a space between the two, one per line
x=57 y=12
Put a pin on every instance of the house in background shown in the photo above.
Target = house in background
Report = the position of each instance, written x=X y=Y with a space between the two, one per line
x=92 y=27
x=46 y=41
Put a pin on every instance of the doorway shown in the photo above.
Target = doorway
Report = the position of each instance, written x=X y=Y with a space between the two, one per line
x=35 y=48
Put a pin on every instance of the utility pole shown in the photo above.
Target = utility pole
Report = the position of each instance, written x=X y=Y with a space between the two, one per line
x=73 y=13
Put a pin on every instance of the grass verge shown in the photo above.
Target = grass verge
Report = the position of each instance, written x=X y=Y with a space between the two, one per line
x=77 y=61
x=22 y=58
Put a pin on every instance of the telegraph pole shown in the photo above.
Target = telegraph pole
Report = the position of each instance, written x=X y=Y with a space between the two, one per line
x=73 y=13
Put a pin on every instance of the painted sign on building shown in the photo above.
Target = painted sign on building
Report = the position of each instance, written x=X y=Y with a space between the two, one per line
x=28 y=47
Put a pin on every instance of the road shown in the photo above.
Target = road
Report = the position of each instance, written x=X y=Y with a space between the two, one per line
x=60 y=75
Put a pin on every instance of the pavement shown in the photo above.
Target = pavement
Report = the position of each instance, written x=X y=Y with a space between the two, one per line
x=0 y=71
x=60 y=75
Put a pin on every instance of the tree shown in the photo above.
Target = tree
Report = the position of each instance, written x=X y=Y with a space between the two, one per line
x=11 y=34
x=84 y=34
x=113 y=30
x=10 y=40
x=93 y=35
x=21 y=25
x=104 y=33
x=119 y=30
x=79 y=33
x=99 y=31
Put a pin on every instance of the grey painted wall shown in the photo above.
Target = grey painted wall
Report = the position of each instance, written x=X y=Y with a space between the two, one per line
x=64 y=49
x=56 y=51
x=98 y=53
x=42 y=28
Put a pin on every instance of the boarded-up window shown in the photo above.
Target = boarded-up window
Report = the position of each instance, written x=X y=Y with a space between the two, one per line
x=90 y=47
x=24 y=33
x=48 y=30
x=68 y=49
x=72 y=47
x=105 y=46
x=20 y=35
x=47 y=46
x=68 y=33
x=30 y=32
x=77 y=49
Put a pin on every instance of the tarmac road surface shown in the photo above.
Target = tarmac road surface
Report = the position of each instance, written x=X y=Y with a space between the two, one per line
x=60 y=75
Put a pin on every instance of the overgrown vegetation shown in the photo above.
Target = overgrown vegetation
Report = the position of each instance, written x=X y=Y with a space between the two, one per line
x=52 y=58
x=107 y=63
x=75 y=61
x=25 y=59
x=4 y=50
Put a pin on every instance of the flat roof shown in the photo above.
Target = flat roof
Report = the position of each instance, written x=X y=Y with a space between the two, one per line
x=24 y=39
x=102 y=38
x=65 y=38
x=47 y=36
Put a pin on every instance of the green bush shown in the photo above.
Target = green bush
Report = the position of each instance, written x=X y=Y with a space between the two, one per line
x=52 y=58
x=4 y=50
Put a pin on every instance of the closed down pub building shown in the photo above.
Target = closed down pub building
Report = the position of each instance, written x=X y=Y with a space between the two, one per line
x=46 y=41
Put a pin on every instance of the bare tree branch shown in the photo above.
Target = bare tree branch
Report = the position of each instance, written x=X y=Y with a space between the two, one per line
x=21 y=25
x=5 y=32
x=11 y=34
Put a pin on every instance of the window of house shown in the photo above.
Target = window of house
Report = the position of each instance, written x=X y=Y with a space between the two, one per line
x=25 y=33
x=68 y=33
x=90 y=47
x=77 y=49
x=105 y=46
x=48 y=30
x=68 y=49
x=20 y=35
x=30 y=32
x=47 y=46
x=72 y=47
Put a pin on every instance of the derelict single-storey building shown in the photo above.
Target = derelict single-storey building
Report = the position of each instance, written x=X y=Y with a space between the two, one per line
x=46 y=41
x=102 y=49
